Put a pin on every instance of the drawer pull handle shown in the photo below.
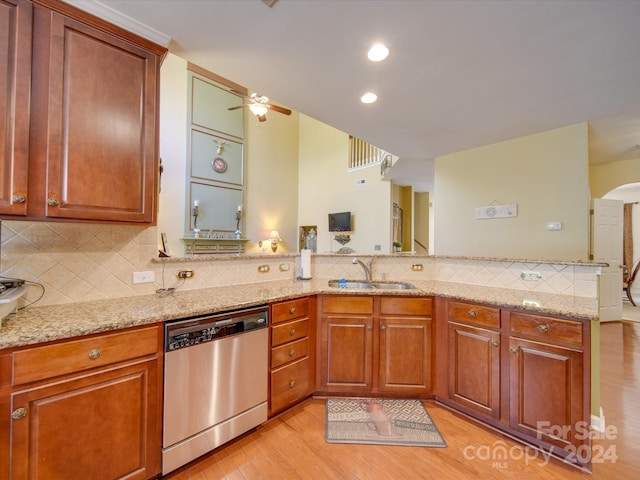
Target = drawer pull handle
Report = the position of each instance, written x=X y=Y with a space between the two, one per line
x=53 y=202
x=472 y=314
x=94 y=354
x=543 y=328
x=292 y=352
x=514 y=349
x=495 y=344
x=293 y=332
x=292 y=383
x=19 y=413
x=292 y=310
x=19 y=198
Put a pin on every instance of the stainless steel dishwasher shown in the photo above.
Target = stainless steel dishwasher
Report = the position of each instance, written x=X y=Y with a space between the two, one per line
x=216 y=370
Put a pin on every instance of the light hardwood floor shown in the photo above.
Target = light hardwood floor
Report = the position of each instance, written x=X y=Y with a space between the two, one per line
x=292 y=446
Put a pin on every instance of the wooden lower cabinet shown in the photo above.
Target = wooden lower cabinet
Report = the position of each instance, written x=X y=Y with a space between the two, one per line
x=474 y=368
x=292 y=362
x=94 y=427
x=100 y=419
x=375 y=344
x=524 y=373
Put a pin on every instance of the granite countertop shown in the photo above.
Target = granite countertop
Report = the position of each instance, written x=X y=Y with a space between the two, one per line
x=53 y=322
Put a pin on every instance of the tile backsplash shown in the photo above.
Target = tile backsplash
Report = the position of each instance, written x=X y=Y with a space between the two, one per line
x=78 y=262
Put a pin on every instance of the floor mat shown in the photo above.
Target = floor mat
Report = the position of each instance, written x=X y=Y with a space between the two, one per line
x=381 y=421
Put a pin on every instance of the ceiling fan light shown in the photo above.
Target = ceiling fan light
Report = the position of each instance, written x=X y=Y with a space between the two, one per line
x=258 y=109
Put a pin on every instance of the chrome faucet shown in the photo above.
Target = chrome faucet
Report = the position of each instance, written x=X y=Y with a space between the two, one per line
x=367 y=267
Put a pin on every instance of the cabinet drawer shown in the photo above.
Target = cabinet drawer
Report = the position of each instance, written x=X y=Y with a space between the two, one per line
x=347 y=304
x=290 y=383
x=289 y=352
x=546 y=328
x=284 y=311
x=289 y=331
x=48 y=361
x=475 y=314
x=405 y=306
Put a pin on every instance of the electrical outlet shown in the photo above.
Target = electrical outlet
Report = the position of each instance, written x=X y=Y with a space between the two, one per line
x=263 y=268
x=143 y=277
x=417 y=267
x=529 y=276
x=554 y=226
x=183 y=274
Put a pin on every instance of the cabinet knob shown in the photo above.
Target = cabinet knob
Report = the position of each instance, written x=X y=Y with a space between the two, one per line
x=53 y=202
x=94 y=354
x=292 y=332
x=383 y=327
x=292 y=352
x=18 y=198
x=543 y=328
x=472 y=314
x=514 y=349
x=19 y=413
x=495 y=344
x=292 y=383
x=369 y=327
x=292 y=310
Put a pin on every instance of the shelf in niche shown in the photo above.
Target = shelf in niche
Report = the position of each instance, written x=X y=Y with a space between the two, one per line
x=219 y=246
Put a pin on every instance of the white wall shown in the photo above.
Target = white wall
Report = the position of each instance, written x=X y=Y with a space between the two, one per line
x=173 y=151
x=325 y=186
x=545 y=174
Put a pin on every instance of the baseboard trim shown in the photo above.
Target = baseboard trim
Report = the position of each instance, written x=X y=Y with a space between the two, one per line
x=598 y=423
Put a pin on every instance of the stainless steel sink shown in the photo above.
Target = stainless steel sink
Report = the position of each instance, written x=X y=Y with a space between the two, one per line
x=393 y=285
x=349 y=284
x=372 y=284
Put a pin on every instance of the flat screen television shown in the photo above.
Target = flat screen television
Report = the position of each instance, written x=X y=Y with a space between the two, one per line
x=340 y=222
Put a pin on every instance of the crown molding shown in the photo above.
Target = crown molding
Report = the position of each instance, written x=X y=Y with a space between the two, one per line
x=107 y=13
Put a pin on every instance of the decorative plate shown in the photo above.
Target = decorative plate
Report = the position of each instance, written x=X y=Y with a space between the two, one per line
x=219 y=164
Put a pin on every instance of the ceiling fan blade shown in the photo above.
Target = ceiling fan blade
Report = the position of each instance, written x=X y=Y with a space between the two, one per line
x=239 y=106
x=278 y=109
x=262 y=118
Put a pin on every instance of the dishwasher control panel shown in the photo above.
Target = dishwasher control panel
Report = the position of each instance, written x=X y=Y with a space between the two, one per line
x=194 y=331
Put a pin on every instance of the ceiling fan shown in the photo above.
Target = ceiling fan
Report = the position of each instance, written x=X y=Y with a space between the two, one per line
x=259 y=105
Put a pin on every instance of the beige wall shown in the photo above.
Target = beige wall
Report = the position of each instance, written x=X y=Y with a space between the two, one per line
x=545 y=174
x=605 y=177
x=272 y=181
x=325 y=186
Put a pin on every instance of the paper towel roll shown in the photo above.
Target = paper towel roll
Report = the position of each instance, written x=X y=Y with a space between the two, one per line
x=305 y=264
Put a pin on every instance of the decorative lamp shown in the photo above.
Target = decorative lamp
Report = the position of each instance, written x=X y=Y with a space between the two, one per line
x=274 y=238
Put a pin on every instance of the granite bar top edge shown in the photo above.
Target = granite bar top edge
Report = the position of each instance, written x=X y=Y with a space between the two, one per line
x=38 y=324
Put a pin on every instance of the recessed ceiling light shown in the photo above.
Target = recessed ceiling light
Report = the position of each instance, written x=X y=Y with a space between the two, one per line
x=368 y=97
x=378 y=52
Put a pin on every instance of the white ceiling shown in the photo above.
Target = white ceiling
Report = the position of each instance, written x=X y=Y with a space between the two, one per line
x=460 y=74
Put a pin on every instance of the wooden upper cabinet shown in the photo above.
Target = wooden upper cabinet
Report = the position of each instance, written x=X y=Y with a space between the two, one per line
x=15 y=71
x=78 y=116
x=98 y=96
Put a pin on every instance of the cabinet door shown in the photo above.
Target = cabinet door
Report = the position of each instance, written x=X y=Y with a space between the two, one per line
x=474 y=368
x=100 y=426
x=347 y=353
x=405 y=354
x=15 y=72
x=98 y=95
x=546 y=392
